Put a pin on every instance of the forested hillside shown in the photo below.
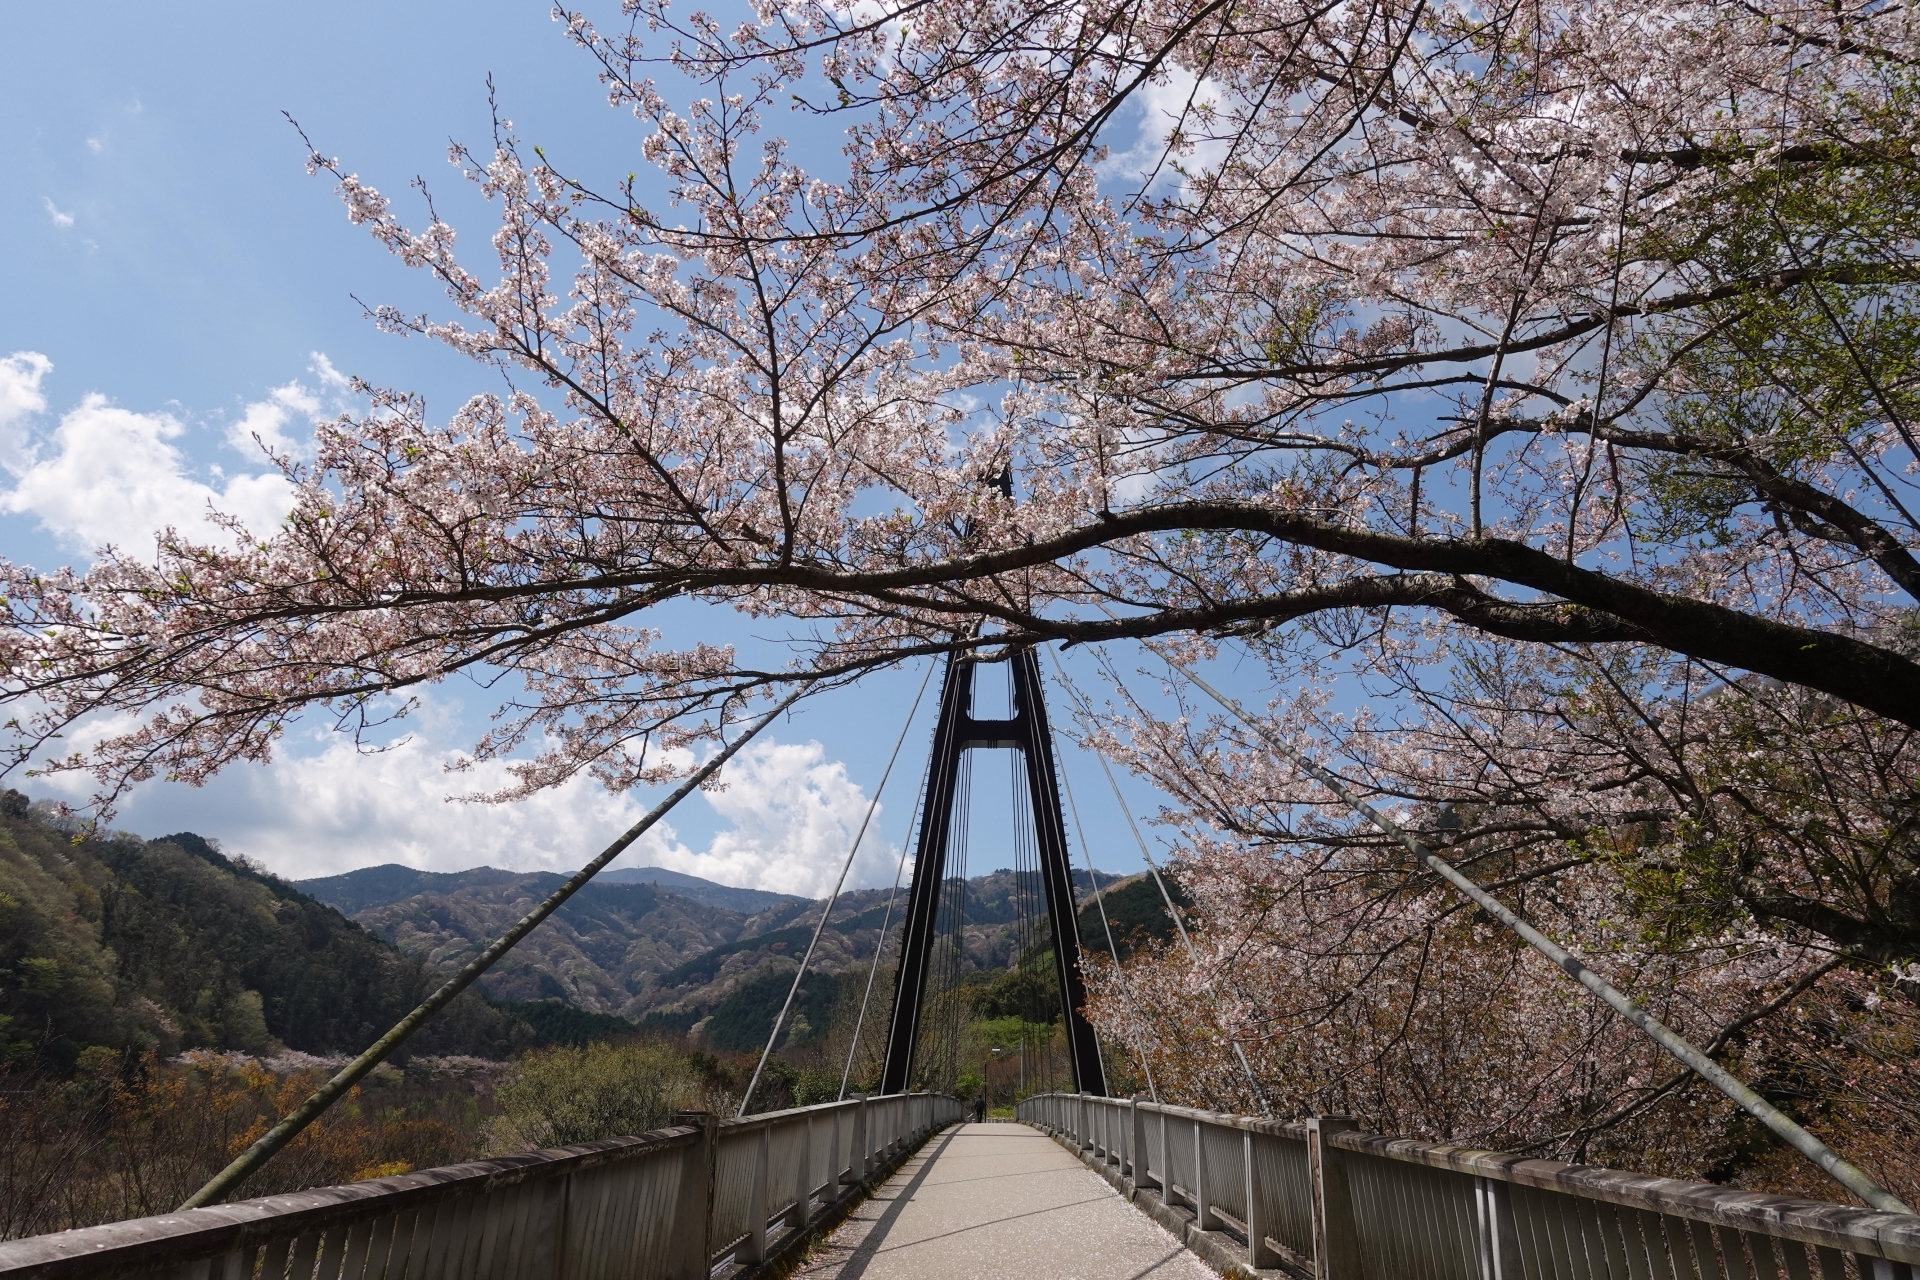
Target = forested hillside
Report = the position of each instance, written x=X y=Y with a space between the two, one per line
x=169 y=945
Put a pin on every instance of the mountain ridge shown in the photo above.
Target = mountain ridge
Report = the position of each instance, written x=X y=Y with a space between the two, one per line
x=364 y=888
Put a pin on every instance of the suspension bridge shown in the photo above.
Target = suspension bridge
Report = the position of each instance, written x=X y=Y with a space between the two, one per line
x=902 y=1184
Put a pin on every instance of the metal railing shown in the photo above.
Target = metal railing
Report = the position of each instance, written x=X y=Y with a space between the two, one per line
x=1320 y=1198
x=674 y=1204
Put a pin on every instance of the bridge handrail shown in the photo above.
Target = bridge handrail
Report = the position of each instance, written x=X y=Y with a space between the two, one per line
x=666 y=1205
x=1323 y=1198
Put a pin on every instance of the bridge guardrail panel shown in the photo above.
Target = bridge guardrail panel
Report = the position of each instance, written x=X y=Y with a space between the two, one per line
x=659 y=1206
x=1365 y=1207
x=1285 y=1190
x=564 y=1211
x=1225 y=1153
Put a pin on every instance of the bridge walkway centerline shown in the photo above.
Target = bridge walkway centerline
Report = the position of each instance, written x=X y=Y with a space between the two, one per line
x=998 y=1200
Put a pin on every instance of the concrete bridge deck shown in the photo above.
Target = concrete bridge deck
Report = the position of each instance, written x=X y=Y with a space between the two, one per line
x=997 y=1201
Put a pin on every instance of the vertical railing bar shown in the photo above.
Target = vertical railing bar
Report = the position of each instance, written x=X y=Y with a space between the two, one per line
x=1453 y=1197
x=1526 y=1231
x=1563 y=1245
x=353 y=1258
x=273 y=1263
x=452 y=1264
x=306 y=1249
x=1437 y=1192
x=1409 y=1227
x=1705 y=1256
x=1584 y=1242
x=420 y=1254
x=1765 y=1265
x=594 y=1236
x=1619 y=1244
x=1680 y=1247
x=1733 y=1260
x=1363 y=1196
x=400 y=1247
x=491 y=1208
x=1391 y=1210
x=516 y=1236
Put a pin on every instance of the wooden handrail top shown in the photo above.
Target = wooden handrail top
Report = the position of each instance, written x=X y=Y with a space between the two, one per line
x=760 y=1120
x=1293 y=1129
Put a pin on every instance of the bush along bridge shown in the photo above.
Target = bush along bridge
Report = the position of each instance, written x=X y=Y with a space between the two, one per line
x=900 y=1185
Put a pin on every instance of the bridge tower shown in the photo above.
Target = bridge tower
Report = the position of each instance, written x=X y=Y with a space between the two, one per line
x=956 y=732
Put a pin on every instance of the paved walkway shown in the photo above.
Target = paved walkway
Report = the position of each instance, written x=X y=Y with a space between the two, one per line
x=999 y=1202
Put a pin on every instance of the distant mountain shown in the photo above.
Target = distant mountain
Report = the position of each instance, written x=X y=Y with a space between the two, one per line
x=355 y=891
x=746 y=901
x=654 y=946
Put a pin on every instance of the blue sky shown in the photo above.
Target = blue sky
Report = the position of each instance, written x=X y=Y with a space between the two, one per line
x=175 y=281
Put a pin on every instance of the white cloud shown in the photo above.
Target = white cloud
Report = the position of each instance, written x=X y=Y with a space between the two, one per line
x=342 y=809
x=789 y=813
x=330 y=378
x=96 y=146
x=61 y=219
x=115 y=476
x=794 y=812
x=20 y=401
x=266 y=422
x=1164 y=107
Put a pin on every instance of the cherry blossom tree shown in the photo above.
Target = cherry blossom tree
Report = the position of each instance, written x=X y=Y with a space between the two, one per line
x=1542 y=373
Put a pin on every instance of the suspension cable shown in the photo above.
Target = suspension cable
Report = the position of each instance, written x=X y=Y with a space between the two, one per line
x=1831 y=1162
x=1100 y=904
x=845 y=867
x=327 y=1094
x=1083 y=712
x=880 y=946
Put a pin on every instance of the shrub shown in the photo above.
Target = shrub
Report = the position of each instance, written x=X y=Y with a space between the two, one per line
x=563 y=1095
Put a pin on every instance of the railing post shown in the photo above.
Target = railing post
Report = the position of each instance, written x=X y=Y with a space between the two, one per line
x=1336 y=1241
x=1202 y=1206
x=859 y=1166
x=755 y=1249
x=1136 y=1142
x=1258 y=1252
x=1495 y=1250
x=689 y=1252
x=803 y=1178
x=1166 y=1163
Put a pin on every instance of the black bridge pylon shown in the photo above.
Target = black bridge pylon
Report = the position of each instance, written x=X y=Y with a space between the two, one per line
x=956 y=732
